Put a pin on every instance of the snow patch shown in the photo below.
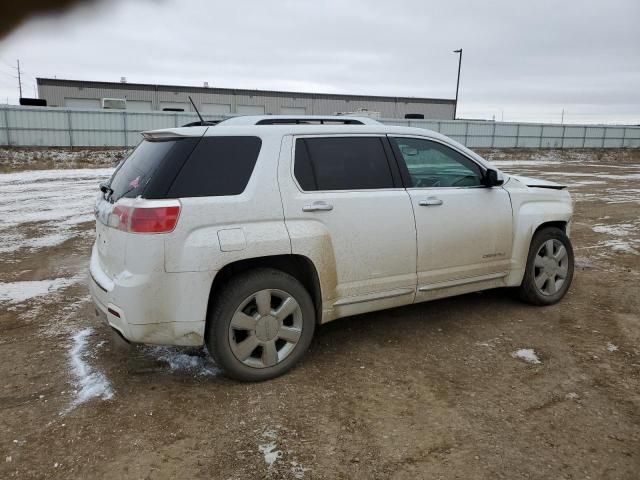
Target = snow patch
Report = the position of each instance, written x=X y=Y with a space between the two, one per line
x=619 y=230
x=528 y=355
x=611 y=347
x=89 y=382
x=625 y=241
x=198 y=363
x=621 y=246
x=268 y=450
x=54 y=202
x=18 y=292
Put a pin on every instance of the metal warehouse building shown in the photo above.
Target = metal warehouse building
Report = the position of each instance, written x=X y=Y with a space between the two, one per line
x=224 y=101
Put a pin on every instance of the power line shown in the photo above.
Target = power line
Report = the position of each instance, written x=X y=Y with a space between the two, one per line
x=7 y=63
x=9 y=75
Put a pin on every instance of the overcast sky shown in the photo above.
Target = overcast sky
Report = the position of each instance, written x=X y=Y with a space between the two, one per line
x=523 y=60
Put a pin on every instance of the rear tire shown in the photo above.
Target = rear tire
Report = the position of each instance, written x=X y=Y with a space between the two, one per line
x=549 y=270
x=261 y=324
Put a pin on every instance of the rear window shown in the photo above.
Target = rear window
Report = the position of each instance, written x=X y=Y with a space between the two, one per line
x=150 y=168
x=218 y=166
x=341 y=163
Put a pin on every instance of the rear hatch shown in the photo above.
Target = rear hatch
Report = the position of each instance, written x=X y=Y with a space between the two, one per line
x=147 y=173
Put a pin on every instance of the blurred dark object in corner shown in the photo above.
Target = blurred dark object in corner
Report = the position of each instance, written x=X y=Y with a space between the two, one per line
x=14 y=13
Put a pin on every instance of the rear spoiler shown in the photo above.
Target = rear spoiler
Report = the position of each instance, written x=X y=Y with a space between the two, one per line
x=160 y=135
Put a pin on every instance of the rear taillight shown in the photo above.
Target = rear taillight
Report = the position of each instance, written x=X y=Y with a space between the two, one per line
x=147 y=218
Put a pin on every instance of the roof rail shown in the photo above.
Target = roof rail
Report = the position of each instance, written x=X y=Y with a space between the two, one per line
x=297 y=120
x=307 y=121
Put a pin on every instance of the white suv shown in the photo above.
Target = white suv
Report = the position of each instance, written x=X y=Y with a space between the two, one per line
x=245 y=235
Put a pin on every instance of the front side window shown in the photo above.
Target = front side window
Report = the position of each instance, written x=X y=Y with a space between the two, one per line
x=431 y=164
x=341 y=163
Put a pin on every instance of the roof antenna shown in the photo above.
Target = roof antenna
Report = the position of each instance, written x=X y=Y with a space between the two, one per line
x=202 y=122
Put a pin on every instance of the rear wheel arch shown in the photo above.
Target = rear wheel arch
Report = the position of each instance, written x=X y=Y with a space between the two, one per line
x=298 y=266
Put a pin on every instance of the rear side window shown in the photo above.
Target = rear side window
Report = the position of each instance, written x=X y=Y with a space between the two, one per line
x=341 y=163
x=218 y=166
x=150 y=168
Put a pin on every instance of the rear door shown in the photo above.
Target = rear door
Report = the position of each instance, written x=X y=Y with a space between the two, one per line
x=345 y=205
x=464 y=229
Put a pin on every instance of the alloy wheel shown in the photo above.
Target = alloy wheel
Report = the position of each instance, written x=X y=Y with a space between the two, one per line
x=551 y=266
x=265 y=328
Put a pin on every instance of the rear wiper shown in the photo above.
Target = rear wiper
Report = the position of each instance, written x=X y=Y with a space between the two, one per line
x=106 y=189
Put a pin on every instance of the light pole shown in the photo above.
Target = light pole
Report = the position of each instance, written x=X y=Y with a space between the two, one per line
x=455 y=107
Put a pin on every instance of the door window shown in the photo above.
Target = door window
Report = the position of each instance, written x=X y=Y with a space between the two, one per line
x=342 y=163
x=431 y=164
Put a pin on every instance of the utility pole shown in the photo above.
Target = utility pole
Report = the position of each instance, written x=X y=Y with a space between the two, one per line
x=562 y=118
x=455 y=106
x=19 y=81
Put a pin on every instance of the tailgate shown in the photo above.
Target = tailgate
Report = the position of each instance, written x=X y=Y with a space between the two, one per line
x=110 y=242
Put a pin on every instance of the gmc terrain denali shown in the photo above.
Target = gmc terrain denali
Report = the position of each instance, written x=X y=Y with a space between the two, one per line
x=245 y=235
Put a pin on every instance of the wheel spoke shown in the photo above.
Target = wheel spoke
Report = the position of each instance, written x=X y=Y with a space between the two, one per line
x=561 y=253
x=242 y=321
x=541 y=279
x=563 y=270
x=269 y=353
x=548 y=245
x=263 y=302
x=288 y=306
x=289 y=334
x=539 y=261
x=245 y=348
x=551 y=285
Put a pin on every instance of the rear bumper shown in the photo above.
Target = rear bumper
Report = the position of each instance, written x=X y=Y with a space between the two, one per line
x=159 y=308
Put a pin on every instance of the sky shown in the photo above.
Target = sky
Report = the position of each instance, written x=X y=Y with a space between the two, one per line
x=522 y=61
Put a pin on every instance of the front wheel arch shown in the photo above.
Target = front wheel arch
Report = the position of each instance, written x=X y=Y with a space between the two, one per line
x=559 y=224
x=528 y=291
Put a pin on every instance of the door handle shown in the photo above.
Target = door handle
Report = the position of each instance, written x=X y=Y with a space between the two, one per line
x=318 y=207
x=430 y=202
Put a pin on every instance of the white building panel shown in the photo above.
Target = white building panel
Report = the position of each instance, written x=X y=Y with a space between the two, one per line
x=250 y=109
x=88 y=103
x=293 y=110
x=139 y=105
x=215 y=108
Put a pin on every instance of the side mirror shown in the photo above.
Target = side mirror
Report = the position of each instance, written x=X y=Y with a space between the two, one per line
x=409 y=151
x=493 y=178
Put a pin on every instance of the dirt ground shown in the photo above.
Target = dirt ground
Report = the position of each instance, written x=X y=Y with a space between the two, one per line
x=427 y=391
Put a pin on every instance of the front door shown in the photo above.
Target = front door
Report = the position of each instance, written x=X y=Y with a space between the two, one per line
x=464 y=229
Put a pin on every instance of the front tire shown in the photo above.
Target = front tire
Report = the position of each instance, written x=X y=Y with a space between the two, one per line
x=549 y=268
x=261 y=325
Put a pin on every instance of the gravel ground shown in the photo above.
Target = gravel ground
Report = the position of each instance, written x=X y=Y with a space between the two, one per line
x=478 y=386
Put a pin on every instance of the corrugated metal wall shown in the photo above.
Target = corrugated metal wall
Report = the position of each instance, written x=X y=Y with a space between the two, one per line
x=43 y=126
x=60 y=93
x=478 y=134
